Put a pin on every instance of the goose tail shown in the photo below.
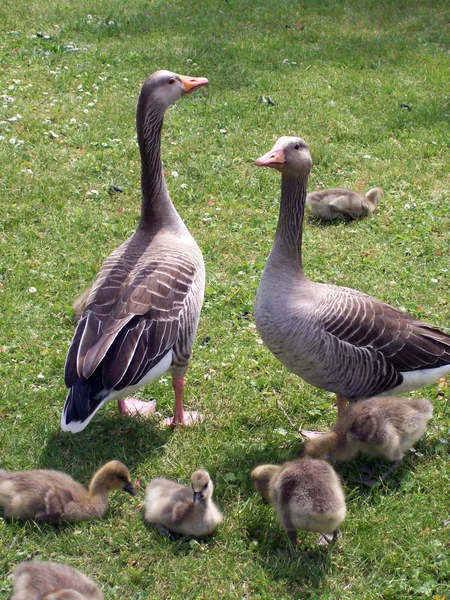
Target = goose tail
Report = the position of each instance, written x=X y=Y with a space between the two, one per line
x=83 y=400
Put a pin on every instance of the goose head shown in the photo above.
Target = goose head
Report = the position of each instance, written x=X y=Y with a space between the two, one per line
x=114 y=475
x=202 y=486
x=164 y=88
x=289 y=155
x=261 y=477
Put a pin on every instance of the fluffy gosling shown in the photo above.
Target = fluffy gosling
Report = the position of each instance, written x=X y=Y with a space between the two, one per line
x=36 y=580
x=306 y=494
x=53 y=496
x=340 y=203
x=384 y=427
x=181 y=509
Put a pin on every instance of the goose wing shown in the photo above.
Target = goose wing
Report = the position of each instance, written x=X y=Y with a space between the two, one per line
x=130 y=322
x=381 y=338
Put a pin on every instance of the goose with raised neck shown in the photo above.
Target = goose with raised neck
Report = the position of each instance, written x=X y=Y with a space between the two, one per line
x=41 y=580
x=335 y=338
x=53 y=496
x=141 y=315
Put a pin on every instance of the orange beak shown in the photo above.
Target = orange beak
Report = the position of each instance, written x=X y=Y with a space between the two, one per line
x=273 y=159
x=191 y=84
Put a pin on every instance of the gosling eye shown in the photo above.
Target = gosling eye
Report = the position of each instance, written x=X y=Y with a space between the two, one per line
x=171 y=81
x=205 y=486
x=297 y=147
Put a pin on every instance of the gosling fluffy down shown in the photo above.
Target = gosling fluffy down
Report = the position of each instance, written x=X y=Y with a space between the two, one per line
x=341 y=203
x=306 y=494
x=186 y=510
x=53 y=496
x=37 y=580
x=384 y=427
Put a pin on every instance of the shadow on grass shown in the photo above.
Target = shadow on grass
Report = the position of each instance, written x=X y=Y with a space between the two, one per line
x=110 y=438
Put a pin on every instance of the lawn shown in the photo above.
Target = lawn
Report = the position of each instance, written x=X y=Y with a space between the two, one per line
x=366 y=84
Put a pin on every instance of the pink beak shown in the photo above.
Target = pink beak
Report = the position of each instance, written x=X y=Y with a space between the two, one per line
x=191 y=84
x=273 y=159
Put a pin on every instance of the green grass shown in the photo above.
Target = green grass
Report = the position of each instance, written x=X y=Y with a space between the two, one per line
x=340 y=83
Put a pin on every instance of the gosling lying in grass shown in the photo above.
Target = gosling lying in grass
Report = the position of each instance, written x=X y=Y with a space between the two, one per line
x=384 y=427
x=37 y=580
x=341 y=203
x=306 y=494
x=53 y=496
x=180 y=509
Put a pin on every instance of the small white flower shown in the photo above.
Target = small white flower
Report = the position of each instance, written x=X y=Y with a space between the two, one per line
x=73 y=120
x=184 y=186
x=434 y=280
x=13 y=140
x=85 y=111
x=367 y=156
x=223 y=131
x=93 y=192
x=2 y=137
x=285 y=61
x=111 y=23
x=89 y=17
x=94 y=86
x=407 y=206
x=174 y=174
x=104 y=144
x=40 y=376
x=32 y=290
x=91 y=104
x=27 y=171
x=125 y=78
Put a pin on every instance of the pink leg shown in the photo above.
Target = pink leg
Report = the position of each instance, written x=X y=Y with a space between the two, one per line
x=341 y=406
x=181 y=417
x=133 y=407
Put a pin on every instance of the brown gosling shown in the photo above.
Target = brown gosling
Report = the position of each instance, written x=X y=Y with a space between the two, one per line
x=306 y=494
x=384 y=427
x=181 y=509
x=36 y=580
x=53 y=496
x=341 y=203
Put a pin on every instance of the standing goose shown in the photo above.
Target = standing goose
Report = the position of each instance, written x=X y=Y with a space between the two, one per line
x=341 y=203
x=335 y=338
x=142 y=313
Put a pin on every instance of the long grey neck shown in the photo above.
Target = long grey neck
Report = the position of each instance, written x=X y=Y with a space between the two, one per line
x=156 y=204
x=288 y=236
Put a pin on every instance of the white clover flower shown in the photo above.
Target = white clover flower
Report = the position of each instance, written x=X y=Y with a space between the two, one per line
x=32 y=290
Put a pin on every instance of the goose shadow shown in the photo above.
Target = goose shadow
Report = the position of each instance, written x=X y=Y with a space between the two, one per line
x=114 y=437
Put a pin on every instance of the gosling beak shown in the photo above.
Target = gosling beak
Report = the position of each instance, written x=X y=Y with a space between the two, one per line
x=198 y=497
x=273 y=159
x=128 y=487
x=191 y=84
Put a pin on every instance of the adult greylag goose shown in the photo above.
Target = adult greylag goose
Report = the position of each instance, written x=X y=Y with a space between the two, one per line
x=341 y=203
x=186 y=510
x=53 y=496
x=335 y=338
x=383 y=427
x=39 y=580
x=142 y=313
x=306 y=494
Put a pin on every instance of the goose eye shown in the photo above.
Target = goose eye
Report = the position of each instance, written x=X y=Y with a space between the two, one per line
x=205 y=486
x=297 y=147
x=171 y=81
